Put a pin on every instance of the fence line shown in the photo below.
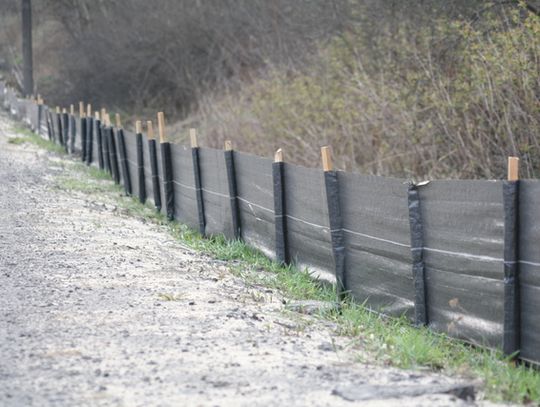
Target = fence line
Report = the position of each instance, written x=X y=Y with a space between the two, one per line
x=344 y=226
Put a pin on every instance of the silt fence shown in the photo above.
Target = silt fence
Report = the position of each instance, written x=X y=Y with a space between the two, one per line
x=460 y=256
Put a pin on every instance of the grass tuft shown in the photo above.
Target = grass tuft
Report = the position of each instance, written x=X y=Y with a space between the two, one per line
x=17 y=140
x=27 y=136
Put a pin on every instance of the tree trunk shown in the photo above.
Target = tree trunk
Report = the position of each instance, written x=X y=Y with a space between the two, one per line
x=28 y=81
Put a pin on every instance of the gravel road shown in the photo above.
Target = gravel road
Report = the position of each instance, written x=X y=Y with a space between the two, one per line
x=102 y=309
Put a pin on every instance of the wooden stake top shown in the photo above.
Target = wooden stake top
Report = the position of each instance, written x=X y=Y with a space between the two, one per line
x=107 y=120
x=103 y=112
x=138 y=127
x=71 y=110
x=64 y=110
x=228 y=145
x=513 y=168
x=161 y=127
x=97 y=115
x=118 y=121
x=57 y=109
x=278 y=156
x=81 y=109
x=193 y=138
x=326 y=154
x=149 y=130
x=89 y=110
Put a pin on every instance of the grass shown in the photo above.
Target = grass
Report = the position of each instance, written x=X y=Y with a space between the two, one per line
x=27 y=136
x=377 y=339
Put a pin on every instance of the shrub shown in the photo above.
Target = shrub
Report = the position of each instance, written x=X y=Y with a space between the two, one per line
x=454 y=100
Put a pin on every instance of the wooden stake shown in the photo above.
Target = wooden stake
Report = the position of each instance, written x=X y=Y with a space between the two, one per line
x=118 y=122
x=64 y=110
x=57 y=109
x=107 y=120
x=326 y=153
x=138 y=127
x=97 y=115
x=278 y=157
x=72 y=110
x=149 y=130
x=103 y=113
x=228 y=145
x=513 y=168
x=89 y=110
x=81 y=109
x=193 y=138
x=161 y=127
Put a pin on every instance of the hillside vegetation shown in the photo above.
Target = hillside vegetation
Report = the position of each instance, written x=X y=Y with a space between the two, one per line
x=452 y=101
x=424 y=89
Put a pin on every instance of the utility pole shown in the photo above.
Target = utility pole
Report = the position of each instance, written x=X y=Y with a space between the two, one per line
x=28 y=80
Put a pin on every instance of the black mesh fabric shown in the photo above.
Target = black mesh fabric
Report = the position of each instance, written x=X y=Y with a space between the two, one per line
x=463 y=235
x=147 y=170
x=217 y=208
x=377 y=239
x=130 y=143
x=308 y=228
x=255 y=201
x=185 y=202
x=529 y=268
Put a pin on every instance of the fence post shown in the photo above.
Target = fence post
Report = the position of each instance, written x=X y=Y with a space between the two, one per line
x=50 y=128
x=280 y=221
x=233 y=195
x=72 y=129
x=123 y=156
x=59 y=124
x=65 y=129
x=113 y=157
x=334 y=215
x=89 y=134
x=152 y=151
x=197 y=178
x=512 y=312
x=105 y=141
x=168 y=189
x=83 y=131
x=417 y=254
x=140 y=162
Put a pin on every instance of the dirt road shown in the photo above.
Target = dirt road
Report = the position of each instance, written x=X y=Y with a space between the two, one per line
x=99 y=309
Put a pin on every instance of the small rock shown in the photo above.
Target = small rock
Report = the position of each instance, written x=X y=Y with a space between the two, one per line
x=360 y=392
x=311 y=307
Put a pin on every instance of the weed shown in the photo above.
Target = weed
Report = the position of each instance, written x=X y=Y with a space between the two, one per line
x=17 y=140
x=169 y=297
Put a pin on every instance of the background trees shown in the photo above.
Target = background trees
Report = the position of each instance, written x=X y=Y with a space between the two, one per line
x=409 y=88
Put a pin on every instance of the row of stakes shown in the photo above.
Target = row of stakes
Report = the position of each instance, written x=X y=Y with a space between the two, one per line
x=326 y=152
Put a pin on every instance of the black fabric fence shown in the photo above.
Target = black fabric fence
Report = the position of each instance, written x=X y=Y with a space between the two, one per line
x=458 y=256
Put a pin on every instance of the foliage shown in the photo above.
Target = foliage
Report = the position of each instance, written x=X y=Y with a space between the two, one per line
x=454 y=100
